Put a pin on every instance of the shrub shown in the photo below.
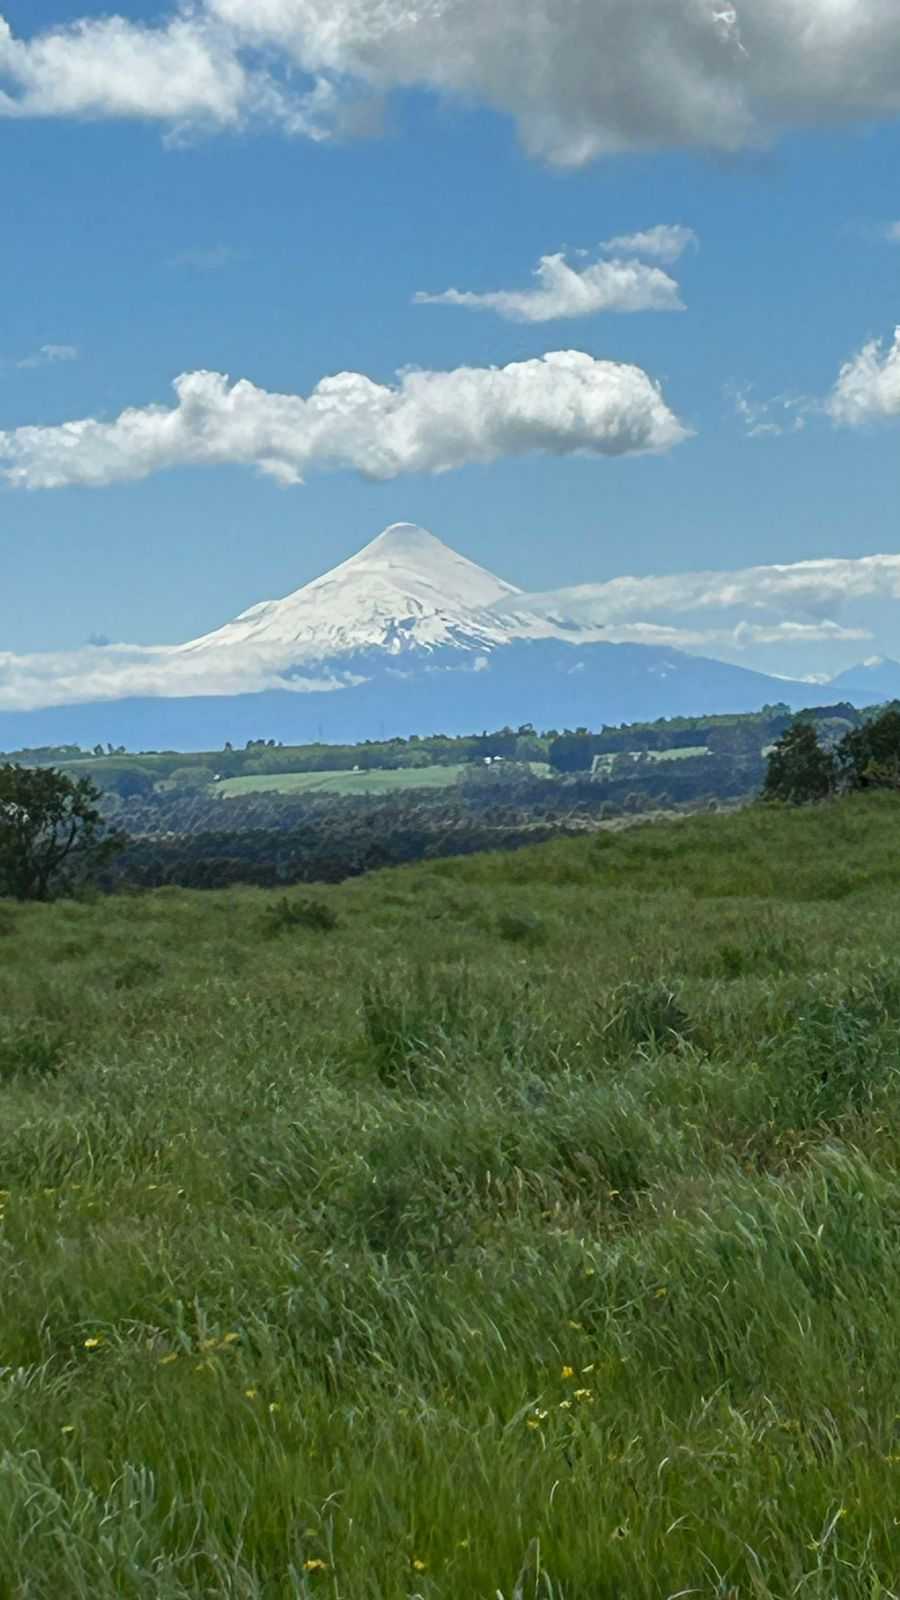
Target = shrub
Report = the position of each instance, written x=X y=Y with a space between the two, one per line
x=285 y=915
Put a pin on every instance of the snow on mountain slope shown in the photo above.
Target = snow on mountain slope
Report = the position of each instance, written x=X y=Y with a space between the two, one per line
x=405 y=591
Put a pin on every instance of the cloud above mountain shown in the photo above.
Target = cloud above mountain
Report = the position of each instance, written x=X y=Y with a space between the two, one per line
x=792 y=597
x=566 y=291
x=563 y=403
x=709 y=74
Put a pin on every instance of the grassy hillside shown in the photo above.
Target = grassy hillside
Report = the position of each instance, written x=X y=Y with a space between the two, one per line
x=533 y=1231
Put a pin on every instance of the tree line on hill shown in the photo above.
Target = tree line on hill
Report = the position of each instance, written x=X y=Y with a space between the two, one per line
x=565 y=751
x=802 y=767
x=60 y=832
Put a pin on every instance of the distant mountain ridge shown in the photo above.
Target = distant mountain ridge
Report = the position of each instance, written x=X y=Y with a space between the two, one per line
x=879 y=676
x=407 y=636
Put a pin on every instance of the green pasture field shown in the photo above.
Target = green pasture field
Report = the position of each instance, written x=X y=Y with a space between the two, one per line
x=522 y=1227
x=373 y=782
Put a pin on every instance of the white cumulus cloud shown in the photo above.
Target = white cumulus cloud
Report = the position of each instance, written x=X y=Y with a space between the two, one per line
x=562 y=403
x=868 y=386
x=187 y=73
x=666 y=242
x=564 y=291
x=580 y=80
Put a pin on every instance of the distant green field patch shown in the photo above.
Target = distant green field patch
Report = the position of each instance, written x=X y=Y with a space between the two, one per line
x=341 y=782
x=679 y=754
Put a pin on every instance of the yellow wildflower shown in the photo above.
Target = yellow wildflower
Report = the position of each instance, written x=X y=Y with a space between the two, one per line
x=93 y=1343
x=418 y=1566
x=567 y=1372
x=315 y=1564
x=251 y=1394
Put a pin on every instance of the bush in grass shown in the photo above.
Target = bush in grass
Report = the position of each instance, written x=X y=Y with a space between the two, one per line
x=286 y=915
x=835 y=1052
x=528 y=930
x=409 y=1017
x=30 y=1051
x=637 y=1016
x=137 y=970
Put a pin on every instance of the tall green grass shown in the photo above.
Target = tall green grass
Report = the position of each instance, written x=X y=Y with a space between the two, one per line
x=416 y=1252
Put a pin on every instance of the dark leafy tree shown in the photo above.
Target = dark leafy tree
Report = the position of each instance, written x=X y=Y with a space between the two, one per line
x=799 y=768
x=870 y=756
x=51 y=831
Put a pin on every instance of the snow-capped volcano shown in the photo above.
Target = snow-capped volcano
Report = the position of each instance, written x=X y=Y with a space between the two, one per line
x=406 y=591
x=405 y=636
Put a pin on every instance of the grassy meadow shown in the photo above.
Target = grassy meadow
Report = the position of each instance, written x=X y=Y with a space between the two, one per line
x=525 y=1227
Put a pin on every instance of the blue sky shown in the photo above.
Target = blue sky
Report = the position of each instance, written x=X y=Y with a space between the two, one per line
x=282 y=259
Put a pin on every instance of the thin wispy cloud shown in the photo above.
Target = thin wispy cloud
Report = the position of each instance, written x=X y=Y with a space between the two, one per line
x=770 y=419
x=562 y=403
x=670 y=74
x=48 y=355
x=798 y=595
x=666 y=242
x=744 y=636
x=564 y=291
